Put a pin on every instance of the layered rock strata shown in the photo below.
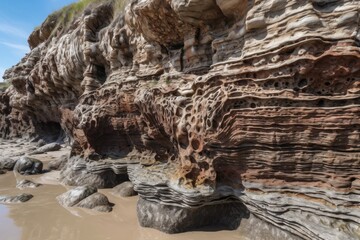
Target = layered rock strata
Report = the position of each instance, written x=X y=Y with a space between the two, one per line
x=205 y=104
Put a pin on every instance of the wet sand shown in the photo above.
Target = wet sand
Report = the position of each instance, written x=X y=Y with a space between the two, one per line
x=42 y=218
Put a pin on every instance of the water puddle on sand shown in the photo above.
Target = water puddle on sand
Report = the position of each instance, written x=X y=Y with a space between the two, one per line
x=42 y=218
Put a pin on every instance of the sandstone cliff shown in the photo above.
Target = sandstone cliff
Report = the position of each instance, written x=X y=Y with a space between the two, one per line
x=214 y=109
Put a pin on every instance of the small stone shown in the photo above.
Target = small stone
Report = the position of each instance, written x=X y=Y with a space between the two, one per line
x=125 y=189
x=24 y=197
x=27 y=184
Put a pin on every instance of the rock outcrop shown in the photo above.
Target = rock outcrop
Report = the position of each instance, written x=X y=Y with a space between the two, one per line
x=204 y=104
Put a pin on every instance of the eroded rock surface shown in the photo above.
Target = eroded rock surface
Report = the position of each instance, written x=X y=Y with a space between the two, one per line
x=204 y=103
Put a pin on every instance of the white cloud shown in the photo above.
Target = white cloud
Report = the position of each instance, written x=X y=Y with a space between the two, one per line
x=9 y=29
x=21 y=47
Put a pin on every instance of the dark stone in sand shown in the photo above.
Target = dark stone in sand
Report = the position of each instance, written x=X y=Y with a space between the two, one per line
x=24 y=197
x=26 y=165
x=27 y=184
x=173 y=219
x=125 y=189
x=2 y=172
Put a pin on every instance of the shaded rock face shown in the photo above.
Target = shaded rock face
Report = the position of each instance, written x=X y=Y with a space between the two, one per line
x=59 y=163
x=205 y=102
x=28 y=166
x=85 y=197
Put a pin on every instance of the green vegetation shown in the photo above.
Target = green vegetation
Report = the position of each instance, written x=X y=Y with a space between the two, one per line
x=4 y=86
x=62 y=18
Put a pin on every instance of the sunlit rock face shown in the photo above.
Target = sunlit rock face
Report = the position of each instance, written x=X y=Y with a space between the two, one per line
x=206 y=103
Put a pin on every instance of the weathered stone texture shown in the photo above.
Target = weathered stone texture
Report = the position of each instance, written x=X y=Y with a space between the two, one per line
x=206 y=103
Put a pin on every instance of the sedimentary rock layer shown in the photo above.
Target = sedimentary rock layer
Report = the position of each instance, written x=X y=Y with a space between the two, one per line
x=205 y=104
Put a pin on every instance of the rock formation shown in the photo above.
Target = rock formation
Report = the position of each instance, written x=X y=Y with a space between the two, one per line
x=244 y=105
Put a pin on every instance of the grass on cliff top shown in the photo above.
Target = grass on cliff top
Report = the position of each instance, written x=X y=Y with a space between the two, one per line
x=65 y=16
x=4 y=85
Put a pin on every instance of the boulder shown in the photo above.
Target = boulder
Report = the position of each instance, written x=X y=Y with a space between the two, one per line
x=96 y=201
x=76 y=195
x=174 y=219
x=85 y=197
x=7 y=164
x=125 y=189
x=28 y=166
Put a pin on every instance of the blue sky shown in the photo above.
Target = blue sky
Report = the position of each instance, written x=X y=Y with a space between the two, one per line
x=18 y=18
